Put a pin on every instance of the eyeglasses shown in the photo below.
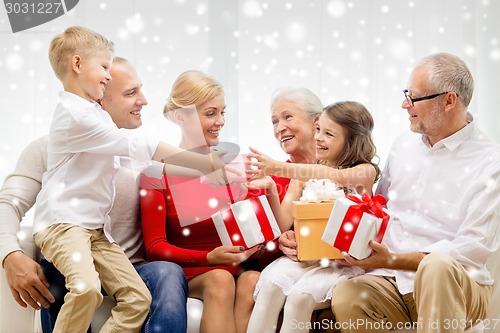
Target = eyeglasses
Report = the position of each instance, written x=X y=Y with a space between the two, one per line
x=411 y=101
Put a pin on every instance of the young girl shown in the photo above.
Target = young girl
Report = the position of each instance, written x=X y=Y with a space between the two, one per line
x=345 y=148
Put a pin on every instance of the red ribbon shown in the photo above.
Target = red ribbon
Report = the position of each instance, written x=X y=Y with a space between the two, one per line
x=265 y=224
x=353 y=216
x=372 y=205
x=232 y=225
x=346 y=233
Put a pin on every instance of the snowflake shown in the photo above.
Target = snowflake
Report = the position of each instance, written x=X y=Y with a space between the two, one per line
x=14 y=62
x=364 y=81
x=336 y=8
x=135 y=24
x=252 y=9
x=324 y=262
x=21 y=235
x=35 y=45
x=495 y=54
x=270 y=246
x=80 y=286
x=76 y=257
x=348 y=227
x=201 y=9
x=213 y=203
x=74 y=202
x=470 y=50
x=296 y=32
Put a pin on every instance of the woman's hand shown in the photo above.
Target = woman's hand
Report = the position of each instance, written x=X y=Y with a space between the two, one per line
x=288 y=245
x=265 y=165
x=230 y=255
x=221 y=177
x=265 y=183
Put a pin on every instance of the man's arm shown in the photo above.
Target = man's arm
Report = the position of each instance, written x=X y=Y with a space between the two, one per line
x=17 y=195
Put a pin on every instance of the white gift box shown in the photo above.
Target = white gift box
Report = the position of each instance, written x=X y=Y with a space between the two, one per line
x=247 y=223
x=352 y=224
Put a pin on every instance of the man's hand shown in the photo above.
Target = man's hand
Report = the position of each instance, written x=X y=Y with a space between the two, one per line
x=26 y=281
x=382 y=258
x=288 y=245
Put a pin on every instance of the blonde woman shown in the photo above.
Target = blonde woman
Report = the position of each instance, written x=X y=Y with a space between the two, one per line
x=178 y=227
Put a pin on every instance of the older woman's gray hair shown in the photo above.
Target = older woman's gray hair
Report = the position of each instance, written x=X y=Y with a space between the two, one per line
x=303 y=97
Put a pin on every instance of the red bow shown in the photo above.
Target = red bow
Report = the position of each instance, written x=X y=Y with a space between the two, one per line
x=373 y=205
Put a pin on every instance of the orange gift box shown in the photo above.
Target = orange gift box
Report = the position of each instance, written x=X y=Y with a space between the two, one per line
x=309 y=221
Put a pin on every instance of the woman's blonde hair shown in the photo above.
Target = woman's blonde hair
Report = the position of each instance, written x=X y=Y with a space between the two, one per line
x=75 y=40
x=191 y=88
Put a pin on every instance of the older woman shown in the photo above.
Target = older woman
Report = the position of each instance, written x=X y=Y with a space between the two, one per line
x=294 y=112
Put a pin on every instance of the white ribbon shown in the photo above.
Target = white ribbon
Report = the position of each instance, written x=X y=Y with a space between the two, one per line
x=318 y=190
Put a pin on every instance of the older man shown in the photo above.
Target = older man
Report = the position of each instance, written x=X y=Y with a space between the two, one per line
x=442 y=185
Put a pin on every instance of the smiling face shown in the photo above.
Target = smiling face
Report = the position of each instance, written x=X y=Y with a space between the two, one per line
x=330 y=140
x=123 y=98
x=93 y=74
x=203 y=126
x=426 y=117
x=211 y=115
x=293 y=130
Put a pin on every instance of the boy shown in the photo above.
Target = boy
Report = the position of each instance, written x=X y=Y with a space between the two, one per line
x=71 y=224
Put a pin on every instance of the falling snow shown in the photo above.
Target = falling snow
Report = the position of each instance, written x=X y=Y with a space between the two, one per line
x=339 y=49
x=14 y=62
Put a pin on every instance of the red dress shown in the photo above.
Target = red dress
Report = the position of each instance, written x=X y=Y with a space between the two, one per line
x=183 y=232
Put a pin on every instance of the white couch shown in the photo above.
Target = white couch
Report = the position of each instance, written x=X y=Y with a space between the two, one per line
x=14 y=319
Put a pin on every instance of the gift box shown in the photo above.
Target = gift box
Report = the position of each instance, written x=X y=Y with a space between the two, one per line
x=210 y=198
x=247 y=223
x=354 y=221
x=309 y=220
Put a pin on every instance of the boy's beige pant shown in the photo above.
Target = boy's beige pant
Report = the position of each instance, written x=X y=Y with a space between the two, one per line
x=86 y=258
x=363 y=302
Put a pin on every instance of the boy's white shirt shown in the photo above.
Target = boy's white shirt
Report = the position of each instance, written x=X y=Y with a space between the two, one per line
x=83 y=144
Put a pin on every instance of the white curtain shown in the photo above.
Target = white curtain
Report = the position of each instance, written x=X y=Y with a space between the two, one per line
x=360 y=50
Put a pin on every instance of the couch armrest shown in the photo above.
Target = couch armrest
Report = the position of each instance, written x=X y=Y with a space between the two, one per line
x=14 y=318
